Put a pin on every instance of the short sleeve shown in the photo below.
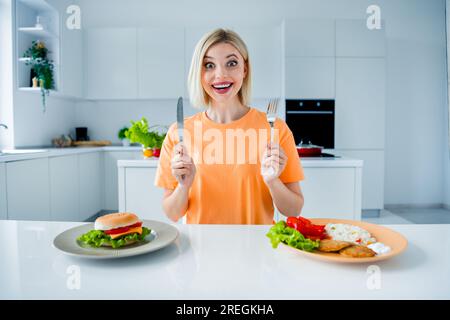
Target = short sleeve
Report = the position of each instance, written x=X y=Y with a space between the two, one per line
x=164 y=177
x=293 y=172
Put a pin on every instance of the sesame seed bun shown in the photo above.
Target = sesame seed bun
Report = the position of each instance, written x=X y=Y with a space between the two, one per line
x=115 y=220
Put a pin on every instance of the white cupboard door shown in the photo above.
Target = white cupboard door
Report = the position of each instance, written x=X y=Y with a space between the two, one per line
x=360 y=103
x=111 y=66
x=331 y=193
x=161 y=62
x=310 y=78
x=264 y=45
x=90 y=184
x=372 y=176
x=3 y=203
x=28 y=189
x=310 y=38
x=71 y=62
x=64 y=189
x=355 y=39
x=111 y=176
x=142 y=196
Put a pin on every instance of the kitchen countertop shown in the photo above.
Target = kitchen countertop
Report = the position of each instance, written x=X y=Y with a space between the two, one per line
x=309 y=162
x=218 y=262
x=55 y=152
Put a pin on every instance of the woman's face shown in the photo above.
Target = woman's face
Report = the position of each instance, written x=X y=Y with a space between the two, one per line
x=223 y=72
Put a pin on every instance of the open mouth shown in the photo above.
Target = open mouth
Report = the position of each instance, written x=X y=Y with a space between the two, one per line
x=222 y=87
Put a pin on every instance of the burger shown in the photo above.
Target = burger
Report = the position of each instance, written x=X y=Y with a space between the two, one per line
x=115 y=230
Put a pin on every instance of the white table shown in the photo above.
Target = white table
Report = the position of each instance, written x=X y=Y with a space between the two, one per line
x=217 y=262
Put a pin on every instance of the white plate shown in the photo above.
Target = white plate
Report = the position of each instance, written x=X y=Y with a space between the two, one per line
x=162 y=234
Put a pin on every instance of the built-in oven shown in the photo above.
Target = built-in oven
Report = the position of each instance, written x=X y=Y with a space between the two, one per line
x=311 y=121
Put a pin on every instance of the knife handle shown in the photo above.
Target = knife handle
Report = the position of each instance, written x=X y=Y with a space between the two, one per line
x=181 y=154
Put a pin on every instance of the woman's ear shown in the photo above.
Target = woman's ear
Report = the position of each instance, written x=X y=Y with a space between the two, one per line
x=245 y=69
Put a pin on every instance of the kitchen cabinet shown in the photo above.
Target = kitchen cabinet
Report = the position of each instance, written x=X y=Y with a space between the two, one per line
x=310 y=77
x=3 y=203
x=139 y=194
x=265 y=49
x=28 y=189
x=111 y=175
x=372 y=176
x=309 y=38
x=71 y=62
x=111 y=64
x=160 y=60
x=332 y=193
x=64 y=189
x=360 y=103
x=90 y=188
x=354 y=39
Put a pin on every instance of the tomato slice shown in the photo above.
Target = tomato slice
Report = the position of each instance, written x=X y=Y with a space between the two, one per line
x=292 y=222
x=123 y=229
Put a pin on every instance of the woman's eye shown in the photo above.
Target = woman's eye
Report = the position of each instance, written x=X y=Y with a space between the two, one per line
x=232 y=63
x=209 y=65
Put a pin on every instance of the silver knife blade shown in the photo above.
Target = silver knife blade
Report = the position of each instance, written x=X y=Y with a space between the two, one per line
x=180 y=118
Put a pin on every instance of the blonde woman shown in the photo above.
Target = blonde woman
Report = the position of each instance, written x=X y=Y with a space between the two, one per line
x=214 y=177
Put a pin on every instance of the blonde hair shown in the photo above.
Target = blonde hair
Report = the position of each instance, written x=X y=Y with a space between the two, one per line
x=197 y=95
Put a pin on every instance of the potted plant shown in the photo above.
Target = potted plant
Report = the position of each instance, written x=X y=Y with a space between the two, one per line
x=41 y=67
x=122 y=136
x=159 y=139
x=139 y=133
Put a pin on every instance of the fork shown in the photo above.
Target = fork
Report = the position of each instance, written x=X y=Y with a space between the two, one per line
x=271 y=115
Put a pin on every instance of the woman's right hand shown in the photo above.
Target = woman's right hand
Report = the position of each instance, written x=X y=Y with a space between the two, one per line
x=183 y=168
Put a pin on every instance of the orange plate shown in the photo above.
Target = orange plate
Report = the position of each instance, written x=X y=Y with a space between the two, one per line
x=389 y=237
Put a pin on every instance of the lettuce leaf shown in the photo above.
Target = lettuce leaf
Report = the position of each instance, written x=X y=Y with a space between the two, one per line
x=96 y=238
x=280 y=232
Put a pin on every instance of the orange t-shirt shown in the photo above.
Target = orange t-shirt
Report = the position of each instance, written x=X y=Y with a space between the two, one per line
x=228 y=187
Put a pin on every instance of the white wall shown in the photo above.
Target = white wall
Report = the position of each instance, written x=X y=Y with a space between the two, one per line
x=416 y=79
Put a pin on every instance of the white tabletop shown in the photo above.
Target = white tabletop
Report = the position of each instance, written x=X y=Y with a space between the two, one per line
x=218 y=262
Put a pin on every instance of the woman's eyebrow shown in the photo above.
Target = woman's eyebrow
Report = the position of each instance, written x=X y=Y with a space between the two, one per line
x=230 y=55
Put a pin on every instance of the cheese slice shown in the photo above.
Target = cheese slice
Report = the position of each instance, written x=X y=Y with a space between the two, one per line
x=132 y=230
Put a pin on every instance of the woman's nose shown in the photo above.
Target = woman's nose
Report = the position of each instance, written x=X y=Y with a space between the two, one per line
x=220 y=72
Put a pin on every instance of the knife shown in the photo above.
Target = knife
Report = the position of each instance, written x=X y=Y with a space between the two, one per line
x=180 y=123
x=180 y=118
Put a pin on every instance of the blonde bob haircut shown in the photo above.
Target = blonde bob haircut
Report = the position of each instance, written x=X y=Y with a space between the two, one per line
x=197 y=95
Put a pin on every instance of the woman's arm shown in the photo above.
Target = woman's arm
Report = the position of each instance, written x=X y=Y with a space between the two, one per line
x=288 y=198
x=175 y=202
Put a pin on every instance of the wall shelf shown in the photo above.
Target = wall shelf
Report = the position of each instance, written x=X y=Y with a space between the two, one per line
x=38 y=32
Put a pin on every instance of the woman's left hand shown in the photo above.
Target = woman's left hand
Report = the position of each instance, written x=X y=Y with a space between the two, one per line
x=273 y=162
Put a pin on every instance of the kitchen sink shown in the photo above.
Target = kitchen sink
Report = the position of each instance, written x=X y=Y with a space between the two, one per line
x=21 y=151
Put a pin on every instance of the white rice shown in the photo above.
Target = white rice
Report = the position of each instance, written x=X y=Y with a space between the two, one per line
x=349 y=233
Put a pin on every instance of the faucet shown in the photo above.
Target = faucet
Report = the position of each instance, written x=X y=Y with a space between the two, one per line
x=3 y=125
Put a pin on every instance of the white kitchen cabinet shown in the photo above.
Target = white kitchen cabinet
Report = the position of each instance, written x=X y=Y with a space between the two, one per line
x=264 y=45
x=140 y=195
x=332 y=193
x=3 y=200
x=71 y=69
x=309 y=38
x=64 y=188
x=28 y=189
x=160 y=60
x=111 y=63
x=354 y=39
x=111 y=175
x=360 y=103
x=310 y=77
x=372 y=176
x=90 y=187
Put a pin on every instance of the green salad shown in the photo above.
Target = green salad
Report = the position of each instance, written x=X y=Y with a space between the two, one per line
x=280 y=232
x=97 y=238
